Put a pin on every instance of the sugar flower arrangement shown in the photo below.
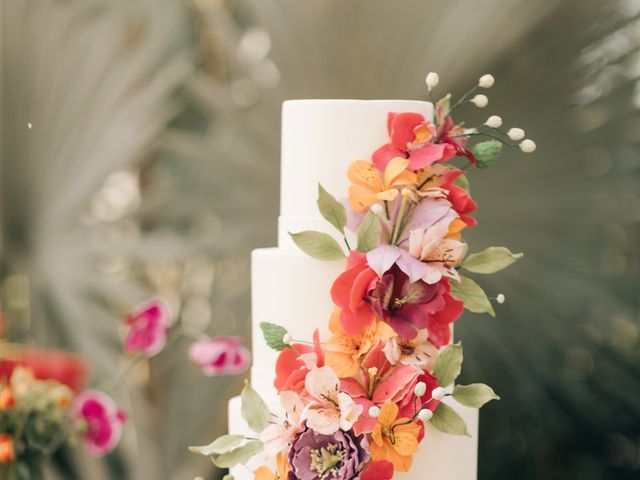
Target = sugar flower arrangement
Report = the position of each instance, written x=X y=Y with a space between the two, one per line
x=355 y=405
x=44 y=403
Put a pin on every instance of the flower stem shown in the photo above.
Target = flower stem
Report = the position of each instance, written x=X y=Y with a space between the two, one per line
x=463 y=99
x=398 y=226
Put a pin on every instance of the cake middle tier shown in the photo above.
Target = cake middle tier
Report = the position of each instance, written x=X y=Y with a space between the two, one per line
x=290 y=289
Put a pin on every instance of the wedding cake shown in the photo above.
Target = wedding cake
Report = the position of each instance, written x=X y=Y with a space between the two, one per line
x=320 y=138
x=354 y=365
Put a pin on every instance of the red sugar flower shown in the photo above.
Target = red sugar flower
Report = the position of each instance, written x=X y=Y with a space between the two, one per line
x=412 y=137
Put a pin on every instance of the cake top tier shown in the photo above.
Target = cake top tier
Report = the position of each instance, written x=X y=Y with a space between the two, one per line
x=320 y=138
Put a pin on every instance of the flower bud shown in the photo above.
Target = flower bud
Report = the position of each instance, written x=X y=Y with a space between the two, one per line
x=494 y=121
x=515 y=134
x=527 y=145
x=486 y=81
x=480 y=101
x=374 y=412
x=500 y=298
x=425 y=414
x=286 y=339
x=420 y=389
x=438 y=393
x=376 y=208
x=432 y=79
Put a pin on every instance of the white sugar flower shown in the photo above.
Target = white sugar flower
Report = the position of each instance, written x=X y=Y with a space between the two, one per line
x=420 y=389
x=374 y=412
x=494 y=121
x=527 y=145
x=480 y=101
x=376 y=208
x=500 y=298
x=425 y=414
x=515 y=134
x=438 y=393
x=486 y=81
x=432 y=79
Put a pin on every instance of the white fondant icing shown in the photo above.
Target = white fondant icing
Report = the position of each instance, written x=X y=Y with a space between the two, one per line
x=320 y=138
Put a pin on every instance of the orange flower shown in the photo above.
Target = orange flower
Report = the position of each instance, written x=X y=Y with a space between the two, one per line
x=282 y=467
x=394 y=439
x=7 y=400
x=343 y=353
x=6 y=448
x=369 y=185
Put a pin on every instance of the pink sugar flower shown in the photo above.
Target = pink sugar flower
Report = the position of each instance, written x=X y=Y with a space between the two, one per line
x=102 y=419
x=148 y=327
x=411 y=136
x=220 y=356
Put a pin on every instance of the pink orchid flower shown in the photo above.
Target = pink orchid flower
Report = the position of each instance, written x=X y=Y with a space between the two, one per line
x=431 y=254
x=220 y=356
x=330 y=409
x=412 y=137
x=102 y=419
x=147 y=328
x=419 y=351
x=437 y=253
x=278 y=435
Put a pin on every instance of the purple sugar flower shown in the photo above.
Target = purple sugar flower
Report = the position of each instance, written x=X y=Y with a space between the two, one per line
x=341 y=456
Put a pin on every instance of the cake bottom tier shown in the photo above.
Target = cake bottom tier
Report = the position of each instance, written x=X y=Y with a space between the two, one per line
x=440 y=456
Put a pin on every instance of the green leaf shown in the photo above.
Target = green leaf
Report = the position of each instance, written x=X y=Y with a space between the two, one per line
x=228 y=476
x=254 y=410
x=369 y=232
x=487 y=153
x=274 y=335
x=448 y=364
x=331 y=209
x=318 y=245
x=474 y=298
x=447 y=420
x=474 y=395
x=239 y=455
x=491 y=260
x=463 y=182
x=220 y=445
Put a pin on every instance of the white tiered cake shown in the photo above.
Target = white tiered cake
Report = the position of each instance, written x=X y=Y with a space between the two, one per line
x=320 y=138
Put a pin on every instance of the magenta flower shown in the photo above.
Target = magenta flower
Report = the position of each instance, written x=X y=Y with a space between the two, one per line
x=102 y=420
x=148 y=327
x=220 y=356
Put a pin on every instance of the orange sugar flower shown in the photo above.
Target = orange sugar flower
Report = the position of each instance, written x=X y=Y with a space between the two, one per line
x=7 y=453
x=394 y=439
x=369 y=185
x=7 y=400
x=343 y=352
x=282 y=470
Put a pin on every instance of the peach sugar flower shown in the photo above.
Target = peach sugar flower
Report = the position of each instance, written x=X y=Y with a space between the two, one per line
x=418 y=351
x=343 y=353
x=436 y=247
x=394 y=439
x=330 y=410
x=278 y=435
x=281 y=473
x=369 y=185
